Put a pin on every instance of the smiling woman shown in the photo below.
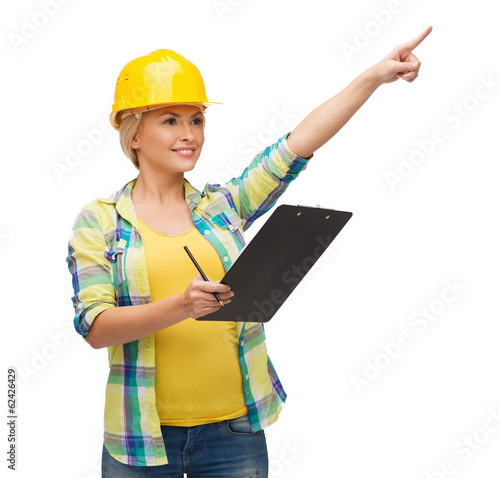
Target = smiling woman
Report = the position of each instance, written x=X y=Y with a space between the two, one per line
x=197 y=392
x=168 y=137
x=131 y=128
x=168 y=145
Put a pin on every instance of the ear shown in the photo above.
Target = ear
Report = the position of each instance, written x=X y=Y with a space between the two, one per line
x=134 y=143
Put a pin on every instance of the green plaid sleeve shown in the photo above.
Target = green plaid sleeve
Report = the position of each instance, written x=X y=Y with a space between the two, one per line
x=265 y=179
x=90 y=271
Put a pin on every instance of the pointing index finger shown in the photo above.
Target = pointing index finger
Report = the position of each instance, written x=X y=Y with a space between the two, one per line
x=412 y=44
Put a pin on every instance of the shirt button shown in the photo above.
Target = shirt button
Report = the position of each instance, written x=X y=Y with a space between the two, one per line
x=246 y=376
x=80 y=305
x=207 y=232
x=226 y=259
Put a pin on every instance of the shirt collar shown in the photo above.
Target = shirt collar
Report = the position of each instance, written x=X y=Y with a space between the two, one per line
x=123 y=201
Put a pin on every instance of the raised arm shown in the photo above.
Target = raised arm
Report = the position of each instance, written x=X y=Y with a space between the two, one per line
x=326 y=120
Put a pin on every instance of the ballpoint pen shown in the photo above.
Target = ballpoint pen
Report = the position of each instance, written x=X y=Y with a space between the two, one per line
x=202 y=273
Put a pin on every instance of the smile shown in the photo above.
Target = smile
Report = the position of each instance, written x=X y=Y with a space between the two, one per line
x=184 y=152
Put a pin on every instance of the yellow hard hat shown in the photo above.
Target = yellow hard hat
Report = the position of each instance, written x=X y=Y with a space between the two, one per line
x=161 y=78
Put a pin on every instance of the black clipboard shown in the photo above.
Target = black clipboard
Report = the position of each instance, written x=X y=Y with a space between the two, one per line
x=276 y=260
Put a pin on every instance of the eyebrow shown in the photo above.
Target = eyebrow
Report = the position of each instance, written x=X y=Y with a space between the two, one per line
x=178 y=115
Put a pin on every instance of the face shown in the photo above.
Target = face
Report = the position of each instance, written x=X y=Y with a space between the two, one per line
x=171 y=139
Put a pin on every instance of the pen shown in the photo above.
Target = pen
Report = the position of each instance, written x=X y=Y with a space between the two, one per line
x=202 y=273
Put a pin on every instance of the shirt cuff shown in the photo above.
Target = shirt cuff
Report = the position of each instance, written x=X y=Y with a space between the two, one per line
x=294 y=163
x=85 y=318
x=285 y=141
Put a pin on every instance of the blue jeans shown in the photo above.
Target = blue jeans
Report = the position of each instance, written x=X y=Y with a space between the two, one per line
x=226 y=449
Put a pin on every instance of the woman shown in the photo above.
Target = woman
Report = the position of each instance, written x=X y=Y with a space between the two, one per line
x=185 y=396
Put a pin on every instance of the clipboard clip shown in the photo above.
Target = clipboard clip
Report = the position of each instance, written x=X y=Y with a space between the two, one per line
x=317 y=205
x=309 y=207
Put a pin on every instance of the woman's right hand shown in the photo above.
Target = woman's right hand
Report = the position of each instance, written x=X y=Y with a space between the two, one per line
x=198 y=298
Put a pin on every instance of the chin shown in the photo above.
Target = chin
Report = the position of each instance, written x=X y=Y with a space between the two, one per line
x=187 y=167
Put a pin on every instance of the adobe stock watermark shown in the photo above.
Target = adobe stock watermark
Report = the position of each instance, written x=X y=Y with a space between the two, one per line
x=96 y=471
x=41 y=357
x=264 y=309
x=83 y=148
x=288 y=455
x=468 y=445
x=253 y=144
x=365 y=34
x=418 y=323
x=158 y=74
x=31 y=26
x=3 y=236
x=453 y=118
x=222 y=7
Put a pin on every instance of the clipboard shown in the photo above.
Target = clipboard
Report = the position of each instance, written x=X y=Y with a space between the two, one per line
x=276 y=260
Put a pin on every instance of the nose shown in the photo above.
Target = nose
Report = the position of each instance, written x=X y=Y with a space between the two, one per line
x=186 y=133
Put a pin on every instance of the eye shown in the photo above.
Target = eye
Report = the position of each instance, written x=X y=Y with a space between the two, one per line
x=198 y=121
x=169 y=121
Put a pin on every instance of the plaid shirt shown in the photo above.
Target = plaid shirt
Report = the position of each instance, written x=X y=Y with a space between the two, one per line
x=107 y=262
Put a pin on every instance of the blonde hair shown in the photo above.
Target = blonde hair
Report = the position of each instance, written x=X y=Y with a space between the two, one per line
x=128 y=129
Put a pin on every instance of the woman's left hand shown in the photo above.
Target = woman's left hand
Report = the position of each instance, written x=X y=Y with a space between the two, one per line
x=327 y=119
x=401 y=62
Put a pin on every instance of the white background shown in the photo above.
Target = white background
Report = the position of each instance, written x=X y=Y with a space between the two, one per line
x=436 y=398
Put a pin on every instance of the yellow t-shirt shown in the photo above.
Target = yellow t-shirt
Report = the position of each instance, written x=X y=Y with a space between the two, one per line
x=198 y=376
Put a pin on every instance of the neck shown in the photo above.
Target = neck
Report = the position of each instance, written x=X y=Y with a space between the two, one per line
x=158 y=188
